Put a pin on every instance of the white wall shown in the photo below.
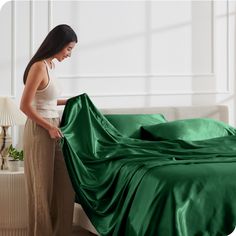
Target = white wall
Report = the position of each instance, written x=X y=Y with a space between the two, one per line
x=130 y=53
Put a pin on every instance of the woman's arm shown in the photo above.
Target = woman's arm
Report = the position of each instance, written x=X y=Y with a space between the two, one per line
x=35 y=78
x=61 y=102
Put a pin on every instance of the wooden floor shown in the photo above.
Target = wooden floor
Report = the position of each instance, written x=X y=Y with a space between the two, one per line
x=81 y=232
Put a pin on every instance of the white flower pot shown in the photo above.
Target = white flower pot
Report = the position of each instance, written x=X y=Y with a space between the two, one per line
x=13 y=165
x=21 y=165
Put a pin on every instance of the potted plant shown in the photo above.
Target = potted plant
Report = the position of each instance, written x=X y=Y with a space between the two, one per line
x=15 y=158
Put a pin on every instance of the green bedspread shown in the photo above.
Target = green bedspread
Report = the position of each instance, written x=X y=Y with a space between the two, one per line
x=132 y=187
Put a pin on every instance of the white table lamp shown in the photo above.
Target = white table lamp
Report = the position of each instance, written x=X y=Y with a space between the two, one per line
x=10 y=115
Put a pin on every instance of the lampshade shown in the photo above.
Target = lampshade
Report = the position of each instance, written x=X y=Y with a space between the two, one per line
x=10 y=114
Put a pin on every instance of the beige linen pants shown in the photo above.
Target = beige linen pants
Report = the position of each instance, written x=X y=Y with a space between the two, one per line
x=49 y=191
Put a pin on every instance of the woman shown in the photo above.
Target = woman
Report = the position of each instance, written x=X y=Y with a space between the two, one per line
x=49 y=190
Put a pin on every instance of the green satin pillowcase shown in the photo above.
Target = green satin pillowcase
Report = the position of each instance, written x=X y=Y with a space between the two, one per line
x=188 y=129
x=129 y=124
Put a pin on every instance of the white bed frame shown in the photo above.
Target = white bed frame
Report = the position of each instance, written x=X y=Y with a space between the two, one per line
x=218 y=112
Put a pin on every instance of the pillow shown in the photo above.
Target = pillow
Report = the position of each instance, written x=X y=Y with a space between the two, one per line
x=188 y=129
x=129 y=124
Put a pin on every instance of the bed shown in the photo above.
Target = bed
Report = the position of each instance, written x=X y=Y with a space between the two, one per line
x=220 y=113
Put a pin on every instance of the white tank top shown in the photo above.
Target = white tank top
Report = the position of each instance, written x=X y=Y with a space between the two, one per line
x=45 y=101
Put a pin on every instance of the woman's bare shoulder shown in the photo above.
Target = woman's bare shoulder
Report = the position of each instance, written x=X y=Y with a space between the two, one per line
x=38 y=66
x=37 y=71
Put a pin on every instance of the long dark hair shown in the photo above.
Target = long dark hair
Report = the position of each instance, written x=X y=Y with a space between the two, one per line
x=54 y=42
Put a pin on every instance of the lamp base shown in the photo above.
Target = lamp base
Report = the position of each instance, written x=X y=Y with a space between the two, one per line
x=4 y=164
x=5 y=143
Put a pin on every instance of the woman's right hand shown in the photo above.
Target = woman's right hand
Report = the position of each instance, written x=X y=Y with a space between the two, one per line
x=55 y=132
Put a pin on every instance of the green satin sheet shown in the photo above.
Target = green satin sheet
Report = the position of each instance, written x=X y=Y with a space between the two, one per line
x=132 y=187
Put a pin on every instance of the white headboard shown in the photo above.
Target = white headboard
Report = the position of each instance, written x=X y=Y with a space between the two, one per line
x=218 y=112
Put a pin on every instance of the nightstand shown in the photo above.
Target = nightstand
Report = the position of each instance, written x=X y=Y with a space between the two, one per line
x=13 y=206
